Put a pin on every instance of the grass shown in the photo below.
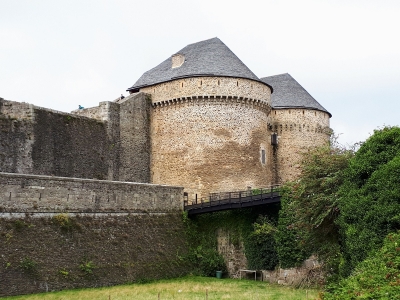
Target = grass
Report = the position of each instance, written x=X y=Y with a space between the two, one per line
x=188 y=288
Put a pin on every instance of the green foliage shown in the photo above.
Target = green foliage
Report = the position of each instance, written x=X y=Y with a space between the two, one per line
x=310 y=208
x=370 y=197
x=19 y=225
x=243 y=227
x=87 y=267
x=64 y=273
x=65 y=222
x=260 y=247
x=28 y=265
x=290 y=246
x=202 y=243
x=377 y=277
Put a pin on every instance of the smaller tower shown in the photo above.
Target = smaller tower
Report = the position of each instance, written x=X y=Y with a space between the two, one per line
x=300 y=123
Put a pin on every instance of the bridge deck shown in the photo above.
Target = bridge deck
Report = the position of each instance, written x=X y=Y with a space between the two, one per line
x=233 y=200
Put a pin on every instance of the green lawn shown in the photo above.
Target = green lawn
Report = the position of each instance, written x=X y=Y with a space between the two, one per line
x=188 y=288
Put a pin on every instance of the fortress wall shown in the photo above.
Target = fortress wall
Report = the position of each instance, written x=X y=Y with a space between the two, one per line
x=70 y=146
x=16 y=136
x=135 y=139
x=33 y=193
x=209 y=86
x=210 y=145
x=298 y=130
x=117 y=249
x=35 y=140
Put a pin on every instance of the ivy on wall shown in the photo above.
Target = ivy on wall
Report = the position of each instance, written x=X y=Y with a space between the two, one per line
x=254 y=227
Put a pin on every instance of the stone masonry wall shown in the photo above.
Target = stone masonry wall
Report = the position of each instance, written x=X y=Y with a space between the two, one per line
x=69 y=146
x=16 y=136
x=128 y=127
x=209 y=86
x=210 y=145
x=208 y=134
x=65 y=252
x=135 y=139
x=298 y=130
x=33 y=193
x=234 y=256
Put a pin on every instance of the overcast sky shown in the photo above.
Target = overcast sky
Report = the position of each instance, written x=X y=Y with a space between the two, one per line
x=346 y=54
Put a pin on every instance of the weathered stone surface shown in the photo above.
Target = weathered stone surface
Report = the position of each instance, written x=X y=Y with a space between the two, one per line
x=209 y=86
x=33 y=193
x=134 y=142
x=233 y=253
x=208 y=133
x=89 y=251
x=298 y=131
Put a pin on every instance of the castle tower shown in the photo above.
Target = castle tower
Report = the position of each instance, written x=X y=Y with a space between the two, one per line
x=209 y=121
x=299 y=121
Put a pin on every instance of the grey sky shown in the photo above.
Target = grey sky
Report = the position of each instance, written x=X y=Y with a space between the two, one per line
x=346 y=54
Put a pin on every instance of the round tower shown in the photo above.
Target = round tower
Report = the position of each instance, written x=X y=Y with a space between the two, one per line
x=209 y=121
x=299 y=122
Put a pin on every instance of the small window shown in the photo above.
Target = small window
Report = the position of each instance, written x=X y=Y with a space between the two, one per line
x=263 y=156
x=237 y=83
x=218 y=82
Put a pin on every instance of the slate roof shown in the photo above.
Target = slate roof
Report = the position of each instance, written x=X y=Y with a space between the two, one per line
x=288 y=93
x=206 y=58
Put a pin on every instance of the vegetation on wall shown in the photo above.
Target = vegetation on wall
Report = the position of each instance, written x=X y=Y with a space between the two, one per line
x=310 y=208
x=253 y=228
x=341 y=208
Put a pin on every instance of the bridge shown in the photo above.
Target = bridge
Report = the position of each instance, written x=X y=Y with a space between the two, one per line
x=233 y=200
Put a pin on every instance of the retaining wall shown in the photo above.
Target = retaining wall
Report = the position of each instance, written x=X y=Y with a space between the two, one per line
x=63 y=252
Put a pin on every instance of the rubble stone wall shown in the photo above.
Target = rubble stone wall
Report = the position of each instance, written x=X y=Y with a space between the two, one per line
x=210 y=145
x=298 y=130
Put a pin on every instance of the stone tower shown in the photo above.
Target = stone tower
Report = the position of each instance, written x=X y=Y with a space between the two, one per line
x=212 y=119
x=300 y=123
x=209 y=121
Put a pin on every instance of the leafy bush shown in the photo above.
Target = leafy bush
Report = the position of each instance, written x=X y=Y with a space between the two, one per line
x=258 y=239
x=290 y=246
x=370 y=197
x=378 y=277
x=260 y=247
x=310 y=208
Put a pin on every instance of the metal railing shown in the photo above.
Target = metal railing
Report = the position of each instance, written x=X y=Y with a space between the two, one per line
x=220 y=198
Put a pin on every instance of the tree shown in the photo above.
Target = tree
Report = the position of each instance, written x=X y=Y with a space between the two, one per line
x=310 y=206
x=370 y=197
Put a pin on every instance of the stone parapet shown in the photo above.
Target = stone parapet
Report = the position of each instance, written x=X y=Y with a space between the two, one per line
x=34 y=193
x=209 y=86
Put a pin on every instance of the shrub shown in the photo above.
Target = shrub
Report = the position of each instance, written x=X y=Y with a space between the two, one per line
x=65 y=222
x=28 y=265
x=370 y=197
x=377 y=277
x=260 y=246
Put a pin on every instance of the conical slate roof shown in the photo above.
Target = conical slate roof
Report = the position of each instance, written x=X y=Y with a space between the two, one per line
x=288 y=93
x=206 y=58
